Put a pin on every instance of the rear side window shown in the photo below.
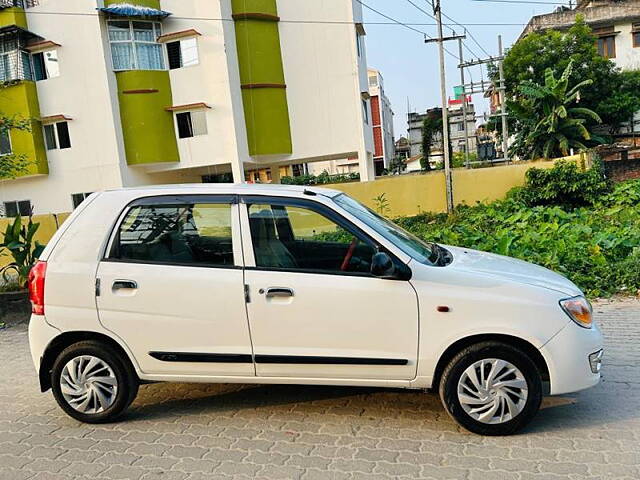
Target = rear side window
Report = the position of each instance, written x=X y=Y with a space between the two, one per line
x=185 y=234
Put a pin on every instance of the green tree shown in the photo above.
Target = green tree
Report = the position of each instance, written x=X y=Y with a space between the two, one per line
x=612 y=94
x=559 y=125
x=431 y=125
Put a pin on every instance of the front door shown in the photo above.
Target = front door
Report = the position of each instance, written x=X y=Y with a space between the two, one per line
x=315 y=310
x=171 y=286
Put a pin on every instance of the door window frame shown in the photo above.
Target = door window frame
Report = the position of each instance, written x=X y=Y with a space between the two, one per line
x=174 y=199
x=317 y=207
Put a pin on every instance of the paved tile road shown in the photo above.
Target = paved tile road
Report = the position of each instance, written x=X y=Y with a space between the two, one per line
x=208 y=431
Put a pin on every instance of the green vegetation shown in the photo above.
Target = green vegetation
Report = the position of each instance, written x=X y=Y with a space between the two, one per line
x=431 y=126
x=18 y=240
x=593 y=241
x=551 y=122
x=322 y=179
x=13 y=165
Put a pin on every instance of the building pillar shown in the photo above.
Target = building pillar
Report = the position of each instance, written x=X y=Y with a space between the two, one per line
x=366 y=165
x=275 y=174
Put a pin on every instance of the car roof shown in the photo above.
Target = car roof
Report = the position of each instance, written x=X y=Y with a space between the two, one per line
x=231 y=188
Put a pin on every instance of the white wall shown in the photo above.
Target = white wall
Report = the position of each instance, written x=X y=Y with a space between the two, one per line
x=209 y=82
x=627 y=57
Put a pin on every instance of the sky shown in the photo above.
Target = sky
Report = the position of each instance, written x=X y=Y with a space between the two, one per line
x=410 y=67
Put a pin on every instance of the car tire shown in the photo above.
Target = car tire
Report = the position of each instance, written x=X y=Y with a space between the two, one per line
x=92 y=382
x=491 y=388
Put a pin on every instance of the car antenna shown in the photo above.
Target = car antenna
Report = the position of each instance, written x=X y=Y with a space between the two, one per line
x=309 y=192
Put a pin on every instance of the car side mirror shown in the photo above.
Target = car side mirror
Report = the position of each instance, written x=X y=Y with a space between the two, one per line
x=382 y=266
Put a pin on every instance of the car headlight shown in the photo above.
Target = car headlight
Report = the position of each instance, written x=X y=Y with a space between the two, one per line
x=579 y=310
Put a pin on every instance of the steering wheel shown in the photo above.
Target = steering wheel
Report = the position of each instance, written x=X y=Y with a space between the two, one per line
x=347 y=258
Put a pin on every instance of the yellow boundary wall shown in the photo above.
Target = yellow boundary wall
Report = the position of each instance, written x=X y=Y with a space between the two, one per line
x=411 y=194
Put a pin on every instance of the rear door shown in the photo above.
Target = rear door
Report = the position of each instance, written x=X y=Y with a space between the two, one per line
x=315 y=309
x=171 y=286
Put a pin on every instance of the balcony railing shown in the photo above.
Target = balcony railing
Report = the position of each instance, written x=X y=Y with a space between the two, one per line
x=18 y=3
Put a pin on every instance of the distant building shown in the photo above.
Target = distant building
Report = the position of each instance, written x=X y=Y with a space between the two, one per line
x=403 y=148
x=382 y=122
x=456 y=126
x=456 y=130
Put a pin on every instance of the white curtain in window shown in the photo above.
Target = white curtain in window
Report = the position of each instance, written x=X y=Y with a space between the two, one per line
x=119 y=31
x=149 y=56
x=122 y=54
x=143 y=32
x=5 y=68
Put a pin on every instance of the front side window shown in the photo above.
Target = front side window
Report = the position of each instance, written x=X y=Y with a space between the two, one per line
x=182 y=53
x=298 y=238
x=190 y=233
x=5 y=143
x=56 y=136
x=45 y=65
x=134 y=46
x=405 y=241
x=191 y=124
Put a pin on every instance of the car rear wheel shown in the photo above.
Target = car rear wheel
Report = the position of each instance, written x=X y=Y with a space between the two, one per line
x=491 y=388
x=92 y=383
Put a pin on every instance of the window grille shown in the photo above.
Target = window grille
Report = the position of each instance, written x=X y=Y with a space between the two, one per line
x=18 y=3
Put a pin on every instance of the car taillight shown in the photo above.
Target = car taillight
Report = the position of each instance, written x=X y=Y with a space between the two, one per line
x=36 y=287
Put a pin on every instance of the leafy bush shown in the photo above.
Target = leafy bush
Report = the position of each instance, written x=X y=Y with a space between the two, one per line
x=597 y=247
x=564 y=185
x=322 y=179
x=19 y=241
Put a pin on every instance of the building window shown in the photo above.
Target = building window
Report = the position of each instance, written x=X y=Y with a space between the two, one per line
x=365 y=111
x=56 y=136
x=45 y=65
x=461 y=127
x=635 y=33
x=183 y=53
x=15 y=63
x=134 y=46
x=5 y=143
x=358 y=44
x=191 y=124
x=373 y=81
x=78 y=198
x=606 y=41
x=20 y=207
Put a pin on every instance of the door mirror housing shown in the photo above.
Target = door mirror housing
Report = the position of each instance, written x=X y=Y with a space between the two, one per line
x=382 y=266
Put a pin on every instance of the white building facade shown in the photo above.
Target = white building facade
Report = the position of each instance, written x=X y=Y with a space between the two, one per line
x=171 y=91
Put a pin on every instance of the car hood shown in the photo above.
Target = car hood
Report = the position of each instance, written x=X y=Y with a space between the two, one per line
x=512 y=269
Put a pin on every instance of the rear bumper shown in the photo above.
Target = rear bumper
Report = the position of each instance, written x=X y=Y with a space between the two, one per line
x=568 y=356
x=40 y=336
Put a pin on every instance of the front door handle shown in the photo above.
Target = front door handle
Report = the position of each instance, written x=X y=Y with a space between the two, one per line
x=124 y=284
x=279 y=292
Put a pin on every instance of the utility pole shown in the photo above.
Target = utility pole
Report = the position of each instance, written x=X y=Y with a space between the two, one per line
x=502 y=90
x=464 y=106
x=437 y=10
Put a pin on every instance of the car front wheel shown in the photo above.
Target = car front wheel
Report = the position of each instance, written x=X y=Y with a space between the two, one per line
x=491 y=388
x=91 y=383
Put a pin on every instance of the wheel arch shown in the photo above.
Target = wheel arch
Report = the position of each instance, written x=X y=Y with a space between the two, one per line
x=529 y=349
x=64 y=340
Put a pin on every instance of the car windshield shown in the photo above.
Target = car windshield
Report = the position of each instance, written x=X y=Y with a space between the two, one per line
x=405 y=241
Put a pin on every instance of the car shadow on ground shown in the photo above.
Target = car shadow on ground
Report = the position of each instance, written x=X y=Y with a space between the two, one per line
x=166 y=402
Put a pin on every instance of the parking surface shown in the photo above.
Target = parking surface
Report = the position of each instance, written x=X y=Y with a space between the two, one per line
x=193 y=431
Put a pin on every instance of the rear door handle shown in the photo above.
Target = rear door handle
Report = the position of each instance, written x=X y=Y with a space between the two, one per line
x=279 y=292
x=124 y=284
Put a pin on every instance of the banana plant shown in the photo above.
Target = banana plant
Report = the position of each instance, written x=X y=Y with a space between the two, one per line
x=18 y=240
x=561 y=125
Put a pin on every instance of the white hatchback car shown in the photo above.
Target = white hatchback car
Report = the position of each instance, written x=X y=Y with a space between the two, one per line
x=278 y=284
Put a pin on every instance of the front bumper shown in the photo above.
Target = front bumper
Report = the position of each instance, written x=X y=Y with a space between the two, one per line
x=574 y=357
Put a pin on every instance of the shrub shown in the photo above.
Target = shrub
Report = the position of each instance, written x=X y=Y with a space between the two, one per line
x=564 y=185
x=19 y=241
x=322 y=179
